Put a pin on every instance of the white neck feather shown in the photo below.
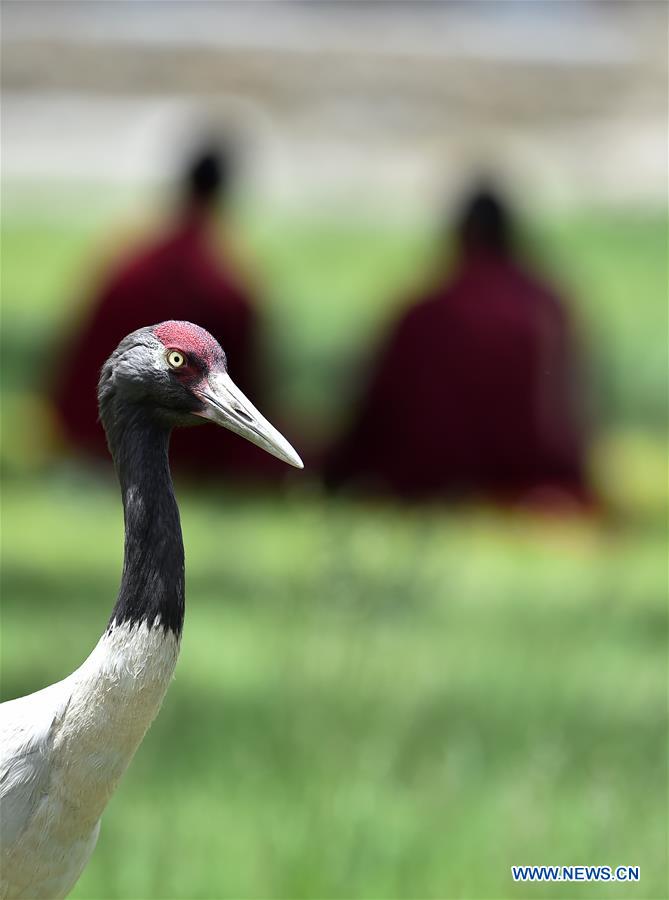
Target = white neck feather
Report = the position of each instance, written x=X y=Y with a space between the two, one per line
x=115 y=695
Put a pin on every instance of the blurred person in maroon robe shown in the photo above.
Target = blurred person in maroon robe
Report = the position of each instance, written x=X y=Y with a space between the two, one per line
x=473 y=395
x=179 y=274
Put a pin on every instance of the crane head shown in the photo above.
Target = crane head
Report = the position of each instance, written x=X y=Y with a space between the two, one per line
x=178 y=373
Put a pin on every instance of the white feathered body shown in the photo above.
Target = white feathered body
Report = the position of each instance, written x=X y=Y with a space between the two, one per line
x=63 y=750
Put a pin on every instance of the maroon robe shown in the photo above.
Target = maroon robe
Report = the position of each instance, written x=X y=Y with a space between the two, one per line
x=472 y=396
x=178 y=276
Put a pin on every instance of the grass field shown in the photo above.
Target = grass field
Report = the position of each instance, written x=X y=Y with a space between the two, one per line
x=370 y=702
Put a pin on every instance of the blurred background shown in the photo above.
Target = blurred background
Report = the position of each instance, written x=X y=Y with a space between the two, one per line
x=390 y=685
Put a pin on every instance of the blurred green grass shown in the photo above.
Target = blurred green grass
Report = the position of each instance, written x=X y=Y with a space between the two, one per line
x=370 y=702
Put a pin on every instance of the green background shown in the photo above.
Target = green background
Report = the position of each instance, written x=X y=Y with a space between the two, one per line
x=370 y=701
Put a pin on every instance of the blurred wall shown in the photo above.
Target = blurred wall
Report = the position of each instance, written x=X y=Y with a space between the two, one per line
x=382 y=106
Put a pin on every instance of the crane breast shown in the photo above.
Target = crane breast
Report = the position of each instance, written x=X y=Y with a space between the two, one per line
x=64 y=750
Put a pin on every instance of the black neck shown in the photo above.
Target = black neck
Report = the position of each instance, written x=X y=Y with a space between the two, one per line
x=152 y=585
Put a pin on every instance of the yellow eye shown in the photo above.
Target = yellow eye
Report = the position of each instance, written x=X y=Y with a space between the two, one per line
x=175 y=359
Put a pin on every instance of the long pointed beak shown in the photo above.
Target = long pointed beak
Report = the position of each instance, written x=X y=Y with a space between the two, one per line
x=224 y=404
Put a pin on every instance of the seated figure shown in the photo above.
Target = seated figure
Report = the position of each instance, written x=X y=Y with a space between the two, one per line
x=473 y=394
x=178 y=274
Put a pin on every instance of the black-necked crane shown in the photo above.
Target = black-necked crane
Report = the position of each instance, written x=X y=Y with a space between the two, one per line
x=64 y=748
